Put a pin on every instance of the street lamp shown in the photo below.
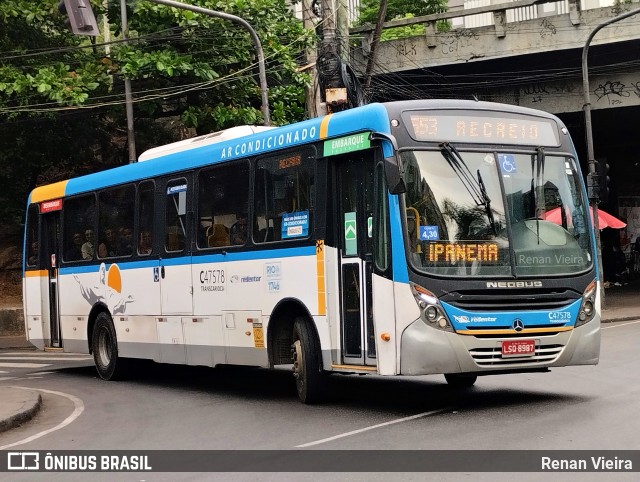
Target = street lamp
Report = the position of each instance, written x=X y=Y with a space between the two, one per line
x=592 y=178
x=254 y=37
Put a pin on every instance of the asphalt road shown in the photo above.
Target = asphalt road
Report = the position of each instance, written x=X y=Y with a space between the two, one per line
x=170 y=407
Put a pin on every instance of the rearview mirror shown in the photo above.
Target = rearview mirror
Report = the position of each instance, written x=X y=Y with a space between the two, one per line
x=393 y=169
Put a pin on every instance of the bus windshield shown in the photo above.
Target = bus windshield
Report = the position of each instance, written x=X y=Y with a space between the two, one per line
x=495 y=213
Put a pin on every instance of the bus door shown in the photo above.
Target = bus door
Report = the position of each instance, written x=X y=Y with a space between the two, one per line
x=175 y=270
x=52 y=254
x=355 y=240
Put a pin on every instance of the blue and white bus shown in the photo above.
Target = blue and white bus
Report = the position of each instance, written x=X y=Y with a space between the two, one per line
x=406 y=238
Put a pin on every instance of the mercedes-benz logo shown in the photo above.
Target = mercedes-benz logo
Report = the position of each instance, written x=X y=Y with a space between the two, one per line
x=518 y=325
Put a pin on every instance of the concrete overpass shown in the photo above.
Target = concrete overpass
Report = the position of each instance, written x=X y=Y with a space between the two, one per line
x=534 y=63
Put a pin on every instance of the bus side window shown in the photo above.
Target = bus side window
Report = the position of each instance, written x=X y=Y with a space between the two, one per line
x=223 y=197
x=115 y=233
x=78 y=238
x=145 y=217
x=176 y=215
x=284 y=189
x=32 y=253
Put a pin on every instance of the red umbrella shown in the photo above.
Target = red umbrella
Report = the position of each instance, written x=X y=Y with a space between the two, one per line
x=605 y=220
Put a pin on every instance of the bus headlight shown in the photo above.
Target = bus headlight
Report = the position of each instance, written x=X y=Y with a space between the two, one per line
x=431 y=313
x=588 y=305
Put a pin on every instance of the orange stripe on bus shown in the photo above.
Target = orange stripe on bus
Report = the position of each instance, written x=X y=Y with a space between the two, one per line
x=320 y=277
x=324 y=126
x=51 y=191
x=36 y=273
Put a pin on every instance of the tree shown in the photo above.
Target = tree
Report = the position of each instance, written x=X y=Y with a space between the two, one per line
x=397 y=9
x=62 y=102
x=218 y=59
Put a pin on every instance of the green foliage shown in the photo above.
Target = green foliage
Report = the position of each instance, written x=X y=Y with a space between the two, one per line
x=216 y=57
x=399 y=9
x=61 y=98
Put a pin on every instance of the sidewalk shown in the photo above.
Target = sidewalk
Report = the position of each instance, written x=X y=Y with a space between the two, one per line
x=622 y=302
x=17 y=406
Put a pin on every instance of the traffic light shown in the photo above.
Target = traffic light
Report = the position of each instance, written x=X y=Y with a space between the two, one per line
x=80 y=17
x=603 y=179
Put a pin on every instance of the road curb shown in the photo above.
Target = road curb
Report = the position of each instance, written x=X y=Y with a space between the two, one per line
x=26 y=404
x=621 y=318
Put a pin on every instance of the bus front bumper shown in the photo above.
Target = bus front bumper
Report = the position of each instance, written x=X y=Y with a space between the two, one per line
x=425 y=350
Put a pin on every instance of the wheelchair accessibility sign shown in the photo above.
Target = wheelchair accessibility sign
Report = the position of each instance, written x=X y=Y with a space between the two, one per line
x=507 y=163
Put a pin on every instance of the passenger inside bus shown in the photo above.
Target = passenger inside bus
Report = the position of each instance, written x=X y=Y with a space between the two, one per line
x=109 y=247
x=219 y=236
x=125 y=245
x=74 y=253
x=238 y=232
x=33 y=257
x=87 y=247
x=145 y=245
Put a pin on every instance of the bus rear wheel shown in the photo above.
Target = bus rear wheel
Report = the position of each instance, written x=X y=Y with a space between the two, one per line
x=460 y=380
x=307 y=369
x=105 y=349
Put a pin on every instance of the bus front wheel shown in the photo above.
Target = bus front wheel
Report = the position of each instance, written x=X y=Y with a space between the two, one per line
x=307 y=369
x=460 y=380
x=105 y=349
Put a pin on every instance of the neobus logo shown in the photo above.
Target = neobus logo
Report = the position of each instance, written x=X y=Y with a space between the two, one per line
x=514 y=284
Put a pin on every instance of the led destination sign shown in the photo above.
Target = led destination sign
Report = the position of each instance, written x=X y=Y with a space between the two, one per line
x=453 y=253
x=441 y=126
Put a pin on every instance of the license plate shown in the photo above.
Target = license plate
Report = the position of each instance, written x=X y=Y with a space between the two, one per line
x=518 y=348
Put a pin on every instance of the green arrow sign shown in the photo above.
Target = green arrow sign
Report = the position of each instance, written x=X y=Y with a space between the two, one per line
x=350 y=234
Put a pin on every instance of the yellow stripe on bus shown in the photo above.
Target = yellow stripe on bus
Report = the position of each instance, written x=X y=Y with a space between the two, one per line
x=51 y=191
x=320 y=277
x=36 y=273
x=324 y=126
x=531 y=331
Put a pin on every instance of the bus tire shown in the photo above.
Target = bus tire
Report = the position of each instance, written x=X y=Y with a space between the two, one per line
x=104 y=344
x=307 y=369
x=460 y=380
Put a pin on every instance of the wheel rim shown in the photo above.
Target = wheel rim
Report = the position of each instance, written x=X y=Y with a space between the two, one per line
x=104 y=348
x=298 y=365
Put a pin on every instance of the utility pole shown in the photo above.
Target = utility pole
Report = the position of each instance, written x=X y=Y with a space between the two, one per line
x=335 y=93
x=106 y=32
x=593 y=178
x=342 y=29
x=371 y=60
x=312 y=95
x=128 y=99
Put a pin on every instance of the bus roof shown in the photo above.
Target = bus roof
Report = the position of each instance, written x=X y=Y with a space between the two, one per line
x=188 y=154
x=246 y=141
x=205 y=140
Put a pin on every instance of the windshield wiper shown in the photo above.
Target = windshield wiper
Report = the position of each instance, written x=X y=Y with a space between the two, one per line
x=475 y=188
x=537 y=188
x=487 y=203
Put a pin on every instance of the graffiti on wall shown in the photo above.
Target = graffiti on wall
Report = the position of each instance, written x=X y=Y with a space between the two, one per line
x=458 y=39
x=406 y=49
x=567 y=96
x=539 y=93
x=612 y=92
x=547 y=29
